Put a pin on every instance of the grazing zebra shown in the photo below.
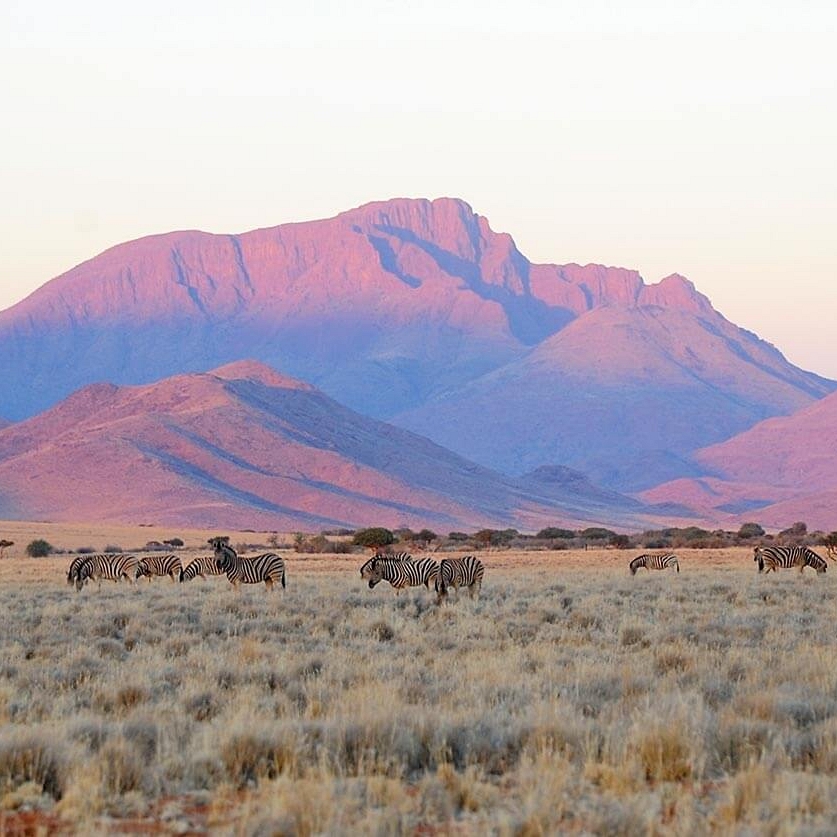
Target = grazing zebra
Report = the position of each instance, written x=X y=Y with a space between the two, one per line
x=460 y=572
x=74 y=571
x=784 y=557
x=268 y=567
x=662 y=561
x=203 y=566
x=110 y=566
x=400 y=573
x=153 y=565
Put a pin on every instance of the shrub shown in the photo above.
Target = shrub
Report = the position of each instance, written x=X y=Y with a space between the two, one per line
x=750 y=530
x=552 y=532
x=113 y=548
x=39 y=548
x=596 y=533
x=29 y=758
x=319 y=544
x=373 y=537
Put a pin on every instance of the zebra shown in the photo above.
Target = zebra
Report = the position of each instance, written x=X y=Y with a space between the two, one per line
x=159 y=565
x=400 y=573
x=662 y=561
x=110 y=566
x=460 y=572
x=203 y=566
x=268 y=567
x=784 y=557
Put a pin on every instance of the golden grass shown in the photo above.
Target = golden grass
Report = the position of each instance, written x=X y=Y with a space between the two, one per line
x=570 y=698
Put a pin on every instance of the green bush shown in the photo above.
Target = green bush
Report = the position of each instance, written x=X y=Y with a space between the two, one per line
x=750 y=530
x=373 y=537
x=39 y=548
x=552 y=532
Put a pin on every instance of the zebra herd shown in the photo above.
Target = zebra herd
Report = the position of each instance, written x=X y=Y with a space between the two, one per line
x=399 y=569
x=268 y=567
x=767 y=557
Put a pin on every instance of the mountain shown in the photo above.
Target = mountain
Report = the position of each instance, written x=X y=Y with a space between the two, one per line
x=623 y=392
x=416 y=312
x=244 y=446
x=778 y=472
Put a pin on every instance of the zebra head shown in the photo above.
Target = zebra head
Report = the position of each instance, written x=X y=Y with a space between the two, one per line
x=224 y=554
x=759 y=558
x=815 y=561
x=636 y=564
x=371 y=572
x=142 y=569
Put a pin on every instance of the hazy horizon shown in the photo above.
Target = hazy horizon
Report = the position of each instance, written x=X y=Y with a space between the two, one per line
x=665 y=138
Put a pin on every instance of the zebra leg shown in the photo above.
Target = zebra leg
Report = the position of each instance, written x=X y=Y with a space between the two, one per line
x=268 y=582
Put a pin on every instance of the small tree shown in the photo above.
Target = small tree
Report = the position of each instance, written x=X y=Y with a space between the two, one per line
x=750 y=530
x=39 y=548
x=620 y=541
x=425 y=536
x=174 y=542
x=830 y=543
x=553 y=532
x=4 y=545
x=597 y=533
x=374 y=537
x=458 y=536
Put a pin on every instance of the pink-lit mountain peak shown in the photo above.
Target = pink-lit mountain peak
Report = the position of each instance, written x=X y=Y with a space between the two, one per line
x=418 y=241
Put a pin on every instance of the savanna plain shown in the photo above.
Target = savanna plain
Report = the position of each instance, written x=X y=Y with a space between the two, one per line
x=569 y=698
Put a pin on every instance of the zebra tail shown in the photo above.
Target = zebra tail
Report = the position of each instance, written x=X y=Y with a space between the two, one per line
x=283 y=578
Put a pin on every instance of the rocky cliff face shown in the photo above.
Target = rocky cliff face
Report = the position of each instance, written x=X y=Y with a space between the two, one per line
x=416 y=310
x=245 y=446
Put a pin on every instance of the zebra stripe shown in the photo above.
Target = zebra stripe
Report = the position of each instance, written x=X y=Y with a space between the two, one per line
x=460 y=572
x=268 y=567
x=160 y=565
x=203 y=566
x=399 y=573
x=662 y=561
x=784 y=557
x=113 y=567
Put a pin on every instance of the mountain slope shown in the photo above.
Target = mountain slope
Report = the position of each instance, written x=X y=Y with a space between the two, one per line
x=622 y=393
x=245 y=446
x=780 y=471
x=417 y=309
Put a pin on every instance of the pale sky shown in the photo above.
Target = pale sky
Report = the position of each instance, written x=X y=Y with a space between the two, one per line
x=690 y=137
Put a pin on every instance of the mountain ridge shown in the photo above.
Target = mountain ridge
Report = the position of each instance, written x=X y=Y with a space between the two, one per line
x=417 y=312
x=244 y=445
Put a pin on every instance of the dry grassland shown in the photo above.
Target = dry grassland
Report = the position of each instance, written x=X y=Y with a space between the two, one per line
x=570 y=698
